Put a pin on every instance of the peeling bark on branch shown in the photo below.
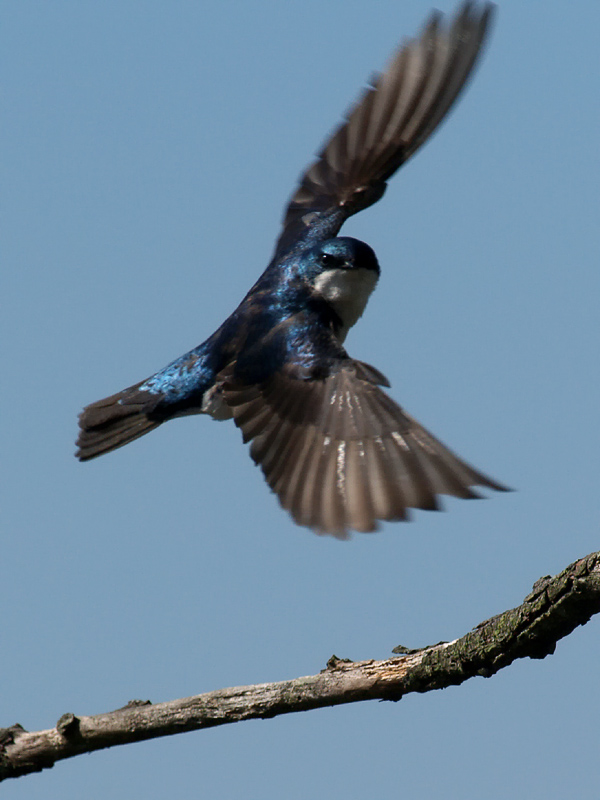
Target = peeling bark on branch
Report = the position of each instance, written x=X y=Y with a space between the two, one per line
x=554 y=608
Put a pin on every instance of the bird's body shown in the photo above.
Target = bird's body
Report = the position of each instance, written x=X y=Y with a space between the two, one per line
x=335 y=448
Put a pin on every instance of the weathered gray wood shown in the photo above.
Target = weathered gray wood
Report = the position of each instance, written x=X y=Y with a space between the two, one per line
x=554 y=608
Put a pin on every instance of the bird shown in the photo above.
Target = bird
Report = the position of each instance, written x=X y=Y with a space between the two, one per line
x=339 y=453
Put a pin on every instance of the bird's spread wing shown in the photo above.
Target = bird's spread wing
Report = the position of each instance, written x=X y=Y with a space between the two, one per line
x=391 y=120
x=340 y=453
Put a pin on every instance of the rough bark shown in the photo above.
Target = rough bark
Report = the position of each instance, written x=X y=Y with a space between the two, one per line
x=554 y=608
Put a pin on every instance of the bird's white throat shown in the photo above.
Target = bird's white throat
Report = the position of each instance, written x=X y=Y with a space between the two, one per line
x=347 y=291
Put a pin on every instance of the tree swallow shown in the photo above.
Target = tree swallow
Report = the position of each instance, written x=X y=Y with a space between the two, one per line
x=337 y=451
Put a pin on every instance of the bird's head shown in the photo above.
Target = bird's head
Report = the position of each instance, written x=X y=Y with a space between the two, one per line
x=343 y=272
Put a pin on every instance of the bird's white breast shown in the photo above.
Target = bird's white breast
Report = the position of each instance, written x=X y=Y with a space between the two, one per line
x=347 y=291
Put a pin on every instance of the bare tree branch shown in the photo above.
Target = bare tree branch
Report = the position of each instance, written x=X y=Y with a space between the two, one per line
x=554 y=608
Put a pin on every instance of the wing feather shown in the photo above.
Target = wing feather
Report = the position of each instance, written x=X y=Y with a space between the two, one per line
x=393 y=117
x=341 y=454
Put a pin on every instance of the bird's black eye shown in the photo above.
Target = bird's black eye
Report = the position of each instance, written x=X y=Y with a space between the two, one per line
x=327 y=260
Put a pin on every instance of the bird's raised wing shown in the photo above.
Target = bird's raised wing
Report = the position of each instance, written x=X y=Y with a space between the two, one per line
x=340 y=453
x=391 y=120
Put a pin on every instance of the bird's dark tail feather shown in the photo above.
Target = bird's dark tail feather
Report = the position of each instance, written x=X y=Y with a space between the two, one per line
x=115 y=421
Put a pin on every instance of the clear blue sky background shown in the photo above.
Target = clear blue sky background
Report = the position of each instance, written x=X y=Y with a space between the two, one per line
x=149 y=148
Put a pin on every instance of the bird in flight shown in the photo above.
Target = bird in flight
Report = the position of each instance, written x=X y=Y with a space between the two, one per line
x=337 y=451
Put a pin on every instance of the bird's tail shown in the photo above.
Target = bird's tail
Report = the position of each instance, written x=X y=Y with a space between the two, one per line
x=115 y=421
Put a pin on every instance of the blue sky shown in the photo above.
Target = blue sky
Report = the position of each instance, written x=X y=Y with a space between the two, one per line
x=149 y=150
